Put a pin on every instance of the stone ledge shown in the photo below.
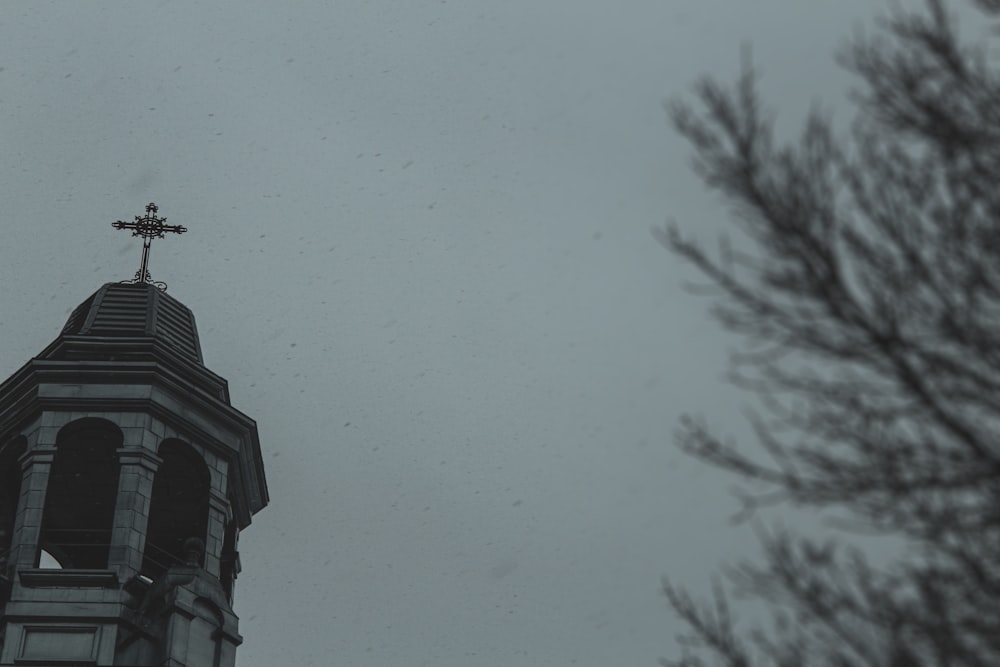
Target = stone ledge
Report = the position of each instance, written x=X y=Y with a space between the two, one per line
x=43 y=578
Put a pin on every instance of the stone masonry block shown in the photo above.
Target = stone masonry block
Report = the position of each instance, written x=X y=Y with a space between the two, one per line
x=34 y=499
x=128 y=482
x=31 y=516
x=37 y=479
x=146 y=482
x=51 y=419
x=128 y=419
x=123 y=516
x=136 y=540
x=47 y=435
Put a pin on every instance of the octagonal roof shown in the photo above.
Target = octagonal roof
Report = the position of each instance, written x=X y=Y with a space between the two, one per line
x=137 y=310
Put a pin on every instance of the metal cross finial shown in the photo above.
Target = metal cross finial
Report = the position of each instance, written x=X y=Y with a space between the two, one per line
x=149 y=227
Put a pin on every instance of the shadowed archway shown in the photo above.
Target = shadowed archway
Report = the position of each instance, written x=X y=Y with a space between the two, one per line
x=179 y=506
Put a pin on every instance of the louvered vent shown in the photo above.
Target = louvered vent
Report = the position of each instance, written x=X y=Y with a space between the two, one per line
x=174 y=323
x=123 y=310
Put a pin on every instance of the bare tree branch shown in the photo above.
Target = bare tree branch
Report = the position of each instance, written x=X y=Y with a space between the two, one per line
x=869 y=300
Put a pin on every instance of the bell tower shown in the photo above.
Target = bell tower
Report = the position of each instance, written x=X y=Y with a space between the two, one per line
x=126 y=477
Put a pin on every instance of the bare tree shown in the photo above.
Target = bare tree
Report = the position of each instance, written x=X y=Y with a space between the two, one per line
x=869 y=302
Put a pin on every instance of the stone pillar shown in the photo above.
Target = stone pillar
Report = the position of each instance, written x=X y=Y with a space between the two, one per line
x=135 y=491
x=36 y=466
x=218 y=516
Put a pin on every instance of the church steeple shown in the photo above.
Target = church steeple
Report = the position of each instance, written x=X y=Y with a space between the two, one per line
x=126 y=477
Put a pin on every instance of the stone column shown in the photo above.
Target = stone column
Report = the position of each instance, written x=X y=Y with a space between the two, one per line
x=36 y=465
x=218 y=515
x=135 y=491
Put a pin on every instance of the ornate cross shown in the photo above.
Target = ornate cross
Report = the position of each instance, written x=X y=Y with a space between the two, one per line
x=149 y=227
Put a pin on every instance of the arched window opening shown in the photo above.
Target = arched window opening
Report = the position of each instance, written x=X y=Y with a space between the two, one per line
x=179 y=507
x=10 y=493
x=80 y=496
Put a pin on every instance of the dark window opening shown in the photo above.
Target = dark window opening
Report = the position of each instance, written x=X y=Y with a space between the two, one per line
x=80 y=496
x=179 y=507
x=10 y=493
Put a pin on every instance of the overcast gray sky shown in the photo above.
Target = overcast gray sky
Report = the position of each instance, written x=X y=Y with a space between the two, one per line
x=420 y=252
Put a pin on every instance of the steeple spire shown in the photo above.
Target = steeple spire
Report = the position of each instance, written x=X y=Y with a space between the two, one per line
x=126 y=478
